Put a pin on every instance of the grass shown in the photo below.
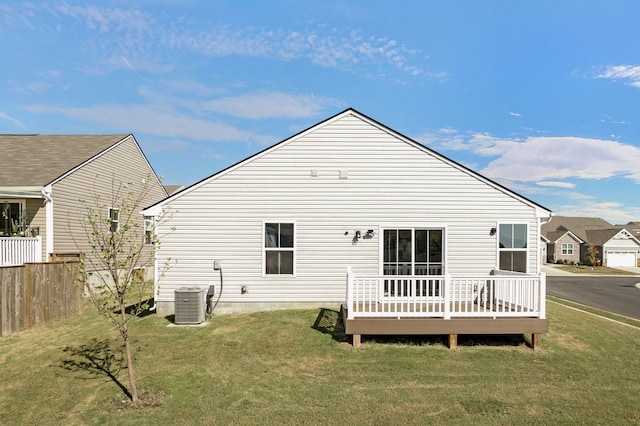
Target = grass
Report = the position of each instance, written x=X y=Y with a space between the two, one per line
x=598 y=270
x=294 y=367
x=620 y=318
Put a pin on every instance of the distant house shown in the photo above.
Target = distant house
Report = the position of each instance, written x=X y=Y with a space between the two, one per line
x=43 y=178
x=350 y=211
x=172 y=189
x=568 y=240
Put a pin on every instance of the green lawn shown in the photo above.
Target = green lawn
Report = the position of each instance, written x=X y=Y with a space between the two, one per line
x=293 y=367
x=599 y=270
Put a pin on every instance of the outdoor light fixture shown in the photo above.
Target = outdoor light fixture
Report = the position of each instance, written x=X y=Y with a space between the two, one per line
x=358 y=235
x=492 y=232
x=369 y=233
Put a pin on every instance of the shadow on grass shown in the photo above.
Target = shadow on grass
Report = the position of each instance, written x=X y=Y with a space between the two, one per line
x=329 y=321
x=464 y=340
x=97 y=358
x=143 y=308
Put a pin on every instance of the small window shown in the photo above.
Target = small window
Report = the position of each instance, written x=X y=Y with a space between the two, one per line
x=279 y=248
x=567 y=249
x=512 y=248
x=148 y=229
x=114 y=219
x=12 y=217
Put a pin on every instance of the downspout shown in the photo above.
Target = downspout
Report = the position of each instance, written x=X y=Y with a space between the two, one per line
x=47 y=195
x=155 y=268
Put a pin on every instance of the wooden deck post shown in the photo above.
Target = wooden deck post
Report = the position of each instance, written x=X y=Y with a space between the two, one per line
x=535 y=341
x=453 y=341
x=356 y=340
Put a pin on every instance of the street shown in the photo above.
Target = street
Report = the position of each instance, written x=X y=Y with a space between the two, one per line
x=614 y=294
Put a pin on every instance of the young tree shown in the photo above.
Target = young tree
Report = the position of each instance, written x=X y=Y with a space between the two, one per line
x=120 y=246
x=592 y=254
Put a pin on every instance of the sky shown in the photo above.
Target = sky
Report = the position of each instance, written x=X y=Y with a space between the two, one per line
x=542 y=97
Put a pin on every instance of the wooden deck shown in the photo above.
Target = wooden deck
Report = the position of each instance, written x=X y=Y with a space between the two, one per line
x=406 y=325
x=495 y=303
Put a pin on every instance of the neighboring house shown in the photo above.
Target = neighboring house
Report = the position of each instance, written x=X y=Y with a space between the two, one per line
x=568 y=240
x=352 y=211
x=43 y=178
x=172 y=189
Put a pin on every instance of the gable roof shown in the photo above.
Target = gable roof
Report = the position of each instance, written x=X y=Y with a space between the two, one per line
x=600 y=237
x=38 y=160
x=350 y=111
x=577 y=225
x=556 y=235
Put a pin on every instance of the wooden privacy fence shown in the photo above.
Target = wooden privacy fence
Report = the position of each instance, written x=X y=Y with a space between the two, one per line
x=37 y=293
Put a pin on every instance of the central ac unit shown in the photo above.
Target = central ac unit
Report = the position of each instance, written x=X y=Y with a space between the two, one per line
x=189 y=306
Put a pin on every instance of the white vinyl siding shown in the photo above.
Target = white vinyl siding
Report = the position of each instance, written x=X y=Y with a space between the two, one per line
x=342 y=176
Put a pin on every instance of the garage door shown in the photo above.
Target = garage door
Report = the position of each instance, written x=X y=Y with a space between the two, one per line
x=621 y=258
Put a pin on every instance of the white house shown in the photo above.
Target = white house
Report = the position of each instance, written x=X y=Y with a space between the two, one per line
x=350 y=194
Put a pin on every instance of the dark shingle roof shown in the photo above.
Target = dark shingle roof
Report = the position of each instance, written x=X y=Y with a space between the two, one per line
x=37 y=160
x=577 y=225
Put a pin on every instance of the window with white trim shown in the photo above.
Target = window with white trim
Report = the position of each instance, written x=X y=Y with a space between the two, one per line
x=567 y=249
x=148 y=229
x=114 y=219
x=512 y=247
x=413 y=252
x=279 y=248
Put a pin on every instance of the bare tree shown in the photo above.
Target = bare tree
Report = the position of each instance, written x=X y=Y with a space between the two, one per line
x=120 y=246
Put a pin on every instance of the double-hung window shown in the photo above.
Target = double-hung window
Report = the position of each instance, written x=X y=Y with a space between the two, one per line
x=415 y=252
x=567 y=249
x=512 y=247
x=114 y=219
x=279 y=248
x=148 y=229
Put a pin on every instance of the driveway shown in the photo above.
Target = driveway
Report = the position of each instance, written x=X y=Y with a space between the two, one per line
x=617 y=294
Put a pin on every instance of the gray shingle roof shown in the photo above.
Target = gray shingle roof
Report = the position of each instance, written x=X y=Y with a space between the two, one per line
x=37 y=160
x=578 y=225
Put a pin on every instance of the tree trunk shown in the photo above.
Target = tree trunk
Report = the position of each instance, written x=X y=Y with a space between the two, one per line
x=127 y=350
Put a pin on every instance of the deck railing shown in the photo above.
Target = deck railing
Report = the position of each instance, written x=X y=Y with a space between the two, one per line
x=446 y=296
x=17 y=250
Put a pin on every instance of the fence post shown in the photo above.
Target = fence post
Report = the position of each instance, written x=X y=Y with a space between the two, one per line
x=543 y=295
x=349 y=293
x=447 y=296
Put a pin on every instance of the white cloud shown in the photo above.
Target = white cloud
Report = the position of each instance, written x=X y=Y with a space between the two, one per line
x=154 y=120
x=14 y=121
x=629 y=73
x=613 y=212
x=265 y=105
x=129 y=37
x=515 y=114
x=549 y=158
x=556 y=184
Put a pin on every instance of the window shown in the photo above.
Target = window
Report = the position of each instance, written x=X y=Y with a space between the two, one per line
x=148 y=229
x=279 y=248
x=567 y=249
x=512 y=247
x=114 y=219
x=413 y=252
x=12 y=218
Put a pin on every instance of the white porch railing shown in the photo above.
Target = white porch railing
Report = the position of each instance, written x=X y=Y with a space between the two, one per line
x=18 y=250
x=446 y=296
